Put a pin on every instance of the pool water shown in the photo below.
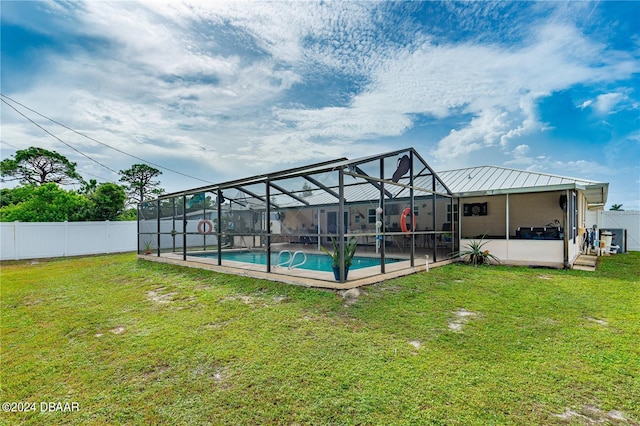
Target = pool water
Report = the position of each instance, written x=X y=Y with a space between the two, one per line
x=315 y=262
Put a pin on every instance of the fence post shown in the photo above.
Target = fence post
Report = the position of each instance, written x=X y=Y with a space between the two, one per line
x=66 y=239
x=16 y=240
x=107 y=235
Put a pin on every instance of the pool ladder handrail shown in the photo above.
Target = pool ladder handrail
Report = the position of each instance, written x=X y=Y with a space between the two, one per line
x=292 y=257
x=280 y=255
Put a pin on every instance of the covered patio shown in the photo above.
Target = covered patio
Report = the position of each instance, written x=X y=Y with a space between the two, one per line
x=528 y=218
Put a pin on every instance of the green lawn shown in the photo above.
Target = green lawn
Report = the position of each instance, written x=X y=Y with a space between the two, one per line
x=135 y=342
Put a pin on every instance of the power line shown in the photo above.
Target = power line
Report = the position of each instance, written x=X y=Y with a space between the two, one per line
x=102 y=143
x=51 y=134
x=7 y=143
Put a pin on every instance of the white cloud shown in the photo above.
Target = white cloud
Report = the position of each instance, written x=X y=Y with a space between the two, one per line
x=606 y=103
x=212 y=84
x=586 y=104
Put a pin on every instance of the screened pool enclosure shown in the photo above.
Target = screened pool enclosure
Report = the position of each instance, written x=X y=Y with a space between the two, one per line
x=391 y=208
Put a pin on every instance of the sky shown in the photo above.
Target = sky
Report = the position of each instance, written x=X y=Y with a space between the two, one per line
x=224 y=90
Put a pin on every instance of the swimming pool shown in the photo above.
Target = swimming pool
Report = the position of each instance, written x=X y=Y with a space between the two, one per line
x=315 y=262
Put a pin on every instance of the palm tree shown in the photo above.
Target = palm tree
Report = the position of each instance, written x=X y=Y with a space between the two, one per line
x=616 y=208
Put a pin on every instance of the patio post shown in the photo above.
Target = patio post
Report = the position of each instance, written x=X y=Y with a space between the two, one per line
x=268 y=198
x=413 y=207
x=382 y=246
x=184 y=227
x=158 y=235
x=434 y=210
x=138 y=225
x=173 y=224
x=341 y=223
x=219 y=233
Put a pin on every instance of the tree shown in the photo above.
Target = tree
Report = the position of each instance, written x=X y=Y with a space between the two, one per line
x=616 y=208
x=306 y=190
x=140 y=184
x=17 y=195
x=108 y=201
x=38 y=166
x=89 y=187
x=48 y=203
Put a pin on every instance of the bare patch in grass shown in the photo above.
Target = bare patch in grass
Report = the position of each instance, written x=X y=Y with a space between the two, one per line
x=154 y=372
x=157 y=297
x=462 y=317
x=590 y=414
x=544 y=277
x=597 y=321
x=118 y=330
x=416 y=344
x=390 y=288
x=218 y=374
x=351 y=296
x=32 y=302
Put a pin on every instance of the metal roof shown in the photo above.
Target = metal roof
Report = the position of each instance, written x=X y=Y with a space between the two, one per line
x=366 y=189
x=492 y=180
x=467 y=182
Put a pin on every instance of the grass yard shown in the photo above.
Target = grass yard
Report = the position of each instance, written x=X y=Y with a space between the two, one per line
x=135 y=342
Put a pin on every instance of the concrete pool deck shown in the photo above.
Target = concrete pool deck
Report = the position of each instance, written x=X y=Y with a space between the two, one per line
x=302 y=277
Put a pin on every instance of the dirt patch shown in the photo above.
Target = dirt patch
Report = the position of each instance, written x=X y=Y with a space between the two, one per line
x=160 y=298
x=351 y=296
x=32 y=302
x=390 y=288
x=278 y=299
x=597 y=321
x=218 y=374
x=462 y=316
x=544 y=277
x=416 y=344
x=118 y=330
x=592 y=415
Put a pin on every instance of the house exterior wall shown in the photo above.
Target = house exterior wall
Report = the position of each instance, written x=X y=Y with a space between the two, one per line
x=534 y=209
x=493 y=224
x=525 y=210
x=524 y=252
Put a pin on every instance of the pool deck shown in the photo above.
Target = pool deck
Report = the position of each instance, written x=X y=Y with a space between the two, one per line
x=297 y=276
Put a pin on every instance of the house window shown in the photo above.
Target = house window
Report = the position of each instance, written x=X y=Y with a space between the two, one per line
x=371 y=214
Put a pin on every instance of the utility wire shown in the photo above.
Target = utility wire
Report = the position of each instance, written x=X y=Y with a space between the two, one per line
x=49 y=133
x=7 y=143
x=102 y=143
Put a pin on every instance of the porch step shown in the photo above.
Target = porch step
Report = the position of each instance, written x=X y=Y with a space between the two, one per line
x=585 y=263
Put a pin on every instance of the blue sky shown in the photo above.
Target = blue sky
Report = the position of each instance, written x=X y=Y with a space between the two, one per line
x=224 y=90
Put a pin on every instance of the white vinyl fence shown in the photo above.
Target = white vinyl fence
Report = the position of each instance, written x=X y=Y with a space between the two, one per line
x=31 y=240
x=629 y=220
